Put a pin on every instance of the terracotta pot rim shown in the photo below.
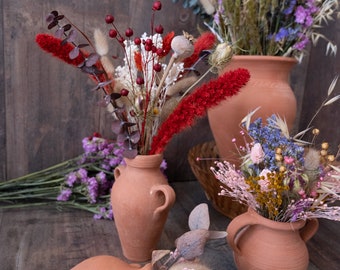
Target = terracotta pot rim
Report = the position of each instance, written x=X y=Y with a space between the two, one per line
x=265 y=57
x=296 y=225
x=145 y=160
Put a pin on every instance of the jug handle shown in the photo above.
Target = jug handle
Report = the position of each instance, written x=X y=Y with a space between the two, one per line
x=309 y=229
x=236 y=226
x=117 y=171
x=169 y=195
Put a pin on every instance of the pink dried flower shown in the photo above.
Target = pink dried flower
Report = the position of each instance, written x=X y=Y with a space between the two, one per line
x=256 y=153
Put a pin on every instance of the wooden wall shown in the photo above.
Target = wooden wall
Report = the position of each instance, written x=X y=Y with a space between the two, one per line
x=46 y=107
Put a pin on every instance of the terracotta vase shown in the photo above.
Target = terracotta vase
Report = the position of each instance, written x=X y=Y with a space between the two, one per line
x=267 y=88
x=105 y=262
x=260 y=243
x=141 y=199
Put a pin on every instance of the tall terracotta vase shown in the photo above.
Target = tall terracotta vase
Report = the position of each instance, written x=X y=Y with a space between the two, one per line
x=260 y=243
x=141 y=199
x=267 y=88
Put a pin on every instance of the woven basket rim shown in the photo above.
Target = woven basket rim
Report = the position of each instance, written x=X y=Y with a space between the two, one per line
x=201 y=157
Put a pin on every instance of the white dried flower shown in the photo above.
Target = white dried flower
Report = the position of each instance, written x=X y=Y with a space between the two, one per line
x=312 y=160
x=256 y=153
x=107 y=65
x=209 y=6
x=101 y=45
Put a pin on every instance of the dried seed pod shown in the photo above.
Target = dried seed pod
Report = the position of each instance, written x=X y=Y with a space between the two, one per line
x=221 y=56
x=182 y=46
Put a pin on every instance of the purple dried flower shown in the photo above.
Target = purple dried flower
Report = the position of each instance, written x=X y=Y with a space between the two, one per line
x=92 y=189
x=71 y=179
x=302 y=43
x=115 y=161
x=88 y=145
x=104 y=213
x=282 y=34
x=82 y=174
x=300 y=15
x=290 y=9
x=64 y=195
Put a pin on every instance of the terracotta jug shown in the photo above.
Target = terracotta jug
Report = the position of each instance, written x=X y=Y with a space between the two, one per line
x=260 y=243
x=141 y=199
x=106 y=262
x=267 y=88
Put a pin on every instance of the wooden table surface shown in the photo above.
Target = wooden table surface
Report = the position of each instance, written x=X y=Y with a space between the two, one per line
x=43 y=238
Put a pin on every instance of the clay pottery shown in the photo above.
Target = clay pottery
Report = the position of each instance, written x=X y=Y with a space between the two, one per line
x=260 y=243
x=267 y=88
x=141 y=199
x=105 y=262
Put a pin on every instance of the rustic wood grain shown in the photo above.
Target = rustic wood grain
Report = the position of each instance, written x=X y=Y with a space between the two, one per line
x=49 y=107
x=46 y=107
x=321 y=71
x=43 y=238
x=2 y=102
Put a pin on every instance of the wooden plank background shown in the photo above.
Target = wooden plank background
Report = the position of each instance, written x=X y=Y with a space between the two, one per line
x=46 y=107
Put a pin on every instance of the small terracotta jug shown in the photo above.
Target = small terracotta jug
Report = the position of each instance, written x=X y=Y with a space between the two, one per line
x=260 y=243
x=141 y=199
x=105 y=262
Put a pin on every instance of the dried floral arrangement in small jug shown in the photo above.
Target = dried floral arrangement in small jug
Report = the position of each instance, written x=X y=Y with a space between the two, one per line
x=282 y=177
x=150 y=95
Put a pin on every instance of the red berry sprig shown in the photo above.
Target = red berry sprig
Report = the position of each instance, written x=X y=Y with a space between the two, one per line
x=157 y=5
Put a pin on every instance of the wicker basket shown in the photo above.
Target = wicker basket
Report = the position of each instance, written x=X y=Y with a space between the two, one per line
x=201 y=169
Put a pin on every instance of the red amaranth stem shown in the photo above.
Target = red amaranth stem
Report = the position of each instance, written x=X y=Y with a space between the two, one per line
x=196 y=105
x=54 y=46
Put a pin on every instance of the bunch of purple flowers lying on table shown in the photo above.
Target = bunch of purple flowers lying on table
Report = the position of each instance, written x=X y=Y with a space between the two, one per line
x=83 y=182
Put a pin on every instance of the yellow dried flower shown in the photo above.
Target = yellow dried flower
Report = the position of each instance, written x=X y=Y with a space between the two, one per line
x=278 y=157
x=330 y=158
x=155 y=111
x=325 y=145
x=316 y=131
x=282 y=169
x=323 y=153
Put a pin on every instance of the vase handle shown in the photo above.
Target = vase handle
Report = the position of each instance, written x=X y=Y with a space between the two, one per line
x=169 y=198
x=117 y=171
x=309 y=229
x=235 y=227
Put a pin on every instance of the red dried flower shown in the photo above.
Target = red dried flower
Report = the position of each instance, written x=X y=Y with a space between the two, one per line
x=167 y=44
x=196 y=104
x=138 y=60
x=53 y=45
x=205 y=42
